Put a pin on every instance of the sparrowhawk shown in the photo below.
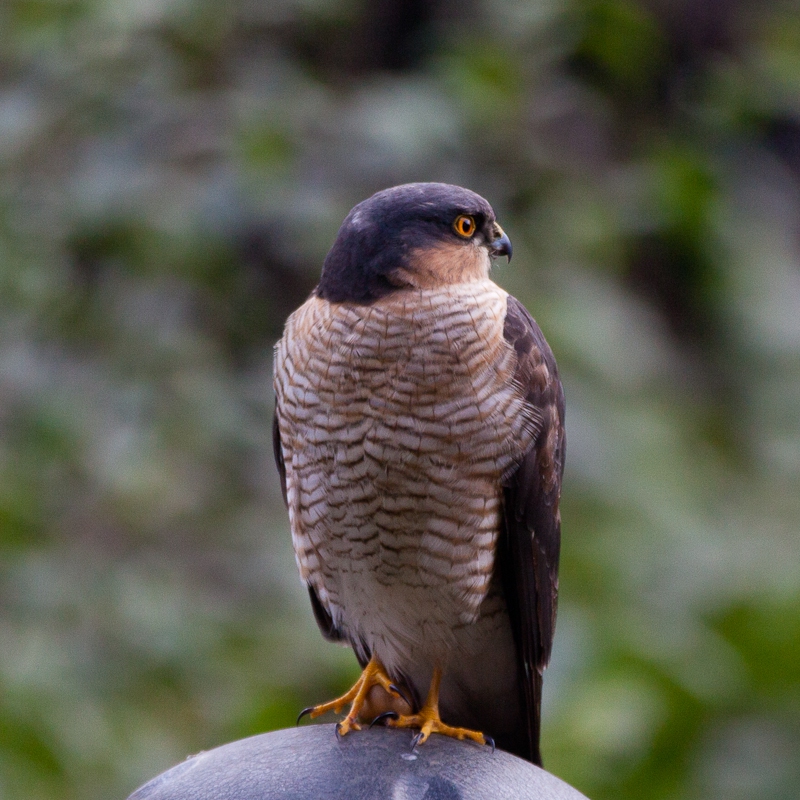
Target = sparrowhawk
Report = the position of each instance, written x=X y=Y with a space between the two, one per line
x=420 y=442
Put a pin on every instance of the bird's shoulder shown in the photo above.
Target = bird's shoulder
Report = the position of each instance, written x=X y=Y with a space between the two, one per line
x=537 y=372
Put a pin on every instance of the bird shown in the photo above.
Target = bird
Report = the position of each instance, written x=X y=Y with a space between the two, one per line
x=419 y=438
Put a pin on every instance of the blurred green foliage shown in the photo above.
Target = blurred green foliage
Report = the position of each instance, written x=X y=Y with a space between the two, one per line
x=172 y=176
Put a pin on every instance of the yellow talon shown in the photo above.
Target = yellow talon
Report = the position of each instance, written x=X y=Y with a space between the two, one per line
x=372 y=694
x=428 y=720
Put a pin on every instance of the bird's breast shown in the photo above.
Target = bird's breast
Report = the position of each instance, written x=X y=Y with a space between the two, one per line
x=397 y=421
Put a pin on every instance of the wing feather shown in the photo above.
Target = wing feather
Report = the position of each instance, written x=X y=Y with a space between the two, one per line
x=323 y=618
x=529 y=548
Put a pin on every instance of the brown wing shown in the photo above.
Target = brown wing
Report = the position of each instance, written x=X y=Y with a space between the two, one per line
x=324 y=620
x=529 y=547
x=278 y=453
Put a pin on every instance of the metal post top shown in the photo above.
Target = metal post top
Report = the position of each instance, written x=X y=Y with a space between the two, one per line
x=309 y=763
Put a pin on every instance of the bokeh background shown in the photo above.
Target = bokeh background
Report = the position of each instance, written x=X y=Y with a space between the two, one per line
x=172 y=175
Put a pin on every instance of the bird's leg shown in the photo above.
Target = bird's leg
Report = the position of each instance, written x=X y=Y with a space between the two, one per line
x=428 y=720
x=362 y=699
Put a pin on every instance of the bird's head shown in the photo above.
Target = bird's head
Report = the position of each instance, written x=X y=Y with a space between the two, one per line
x=418 y=235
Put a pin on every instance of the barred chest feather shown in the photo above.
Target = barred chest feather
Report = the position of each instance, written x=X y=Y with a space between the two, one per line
x=398 y=420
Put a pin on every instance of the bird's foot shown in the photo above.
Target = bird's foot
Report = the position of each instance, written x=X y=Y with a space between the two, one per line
x=366 y=698
x=428 y=720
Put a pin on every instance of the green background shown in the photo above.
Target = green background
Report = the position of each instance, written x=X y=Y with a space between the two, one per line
x=173 y=173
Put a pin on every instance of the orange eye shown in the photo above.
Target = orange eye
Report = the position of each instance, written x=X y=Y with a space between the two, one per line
x=465 y=226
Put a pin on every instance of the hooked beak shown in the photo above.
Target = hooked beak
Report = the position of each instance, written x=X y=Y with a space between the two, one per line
x=501 y=244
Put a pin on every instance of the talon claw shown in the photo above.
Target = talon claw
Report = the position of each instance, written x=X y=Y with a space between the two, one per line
x=338 y=731
x=395 y=688
x=303 y=713
x=385 y=715
x=416 y=740
x=489 y=741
